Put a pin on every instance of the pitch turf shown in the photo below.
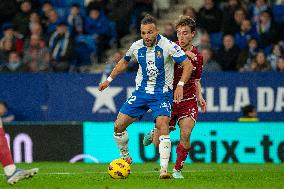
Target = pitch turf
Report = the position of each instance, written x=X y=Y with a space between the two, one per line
x=94 y=176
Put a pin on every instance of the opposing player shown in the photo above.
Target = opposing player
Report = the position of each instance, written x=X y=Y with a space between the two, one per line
x=12 y=174
x=156 y=56
x=185 y=112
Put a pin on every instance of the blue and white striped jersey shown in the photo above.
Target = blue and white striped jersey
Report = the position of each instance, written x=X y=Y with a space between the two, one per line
x=156 y=64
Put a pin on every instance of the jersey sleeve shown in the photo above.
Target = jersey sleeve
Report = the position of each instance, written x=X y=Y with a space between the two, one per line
x=176 y=52
x=129 y=53
x=199 y=67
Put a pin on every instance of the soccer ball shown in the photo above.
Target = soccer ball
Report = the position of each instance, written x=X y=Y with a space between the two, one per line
x=119 y=169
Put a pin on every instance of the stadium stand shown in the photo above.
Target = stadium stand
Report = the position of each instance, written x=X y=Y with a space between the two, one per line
x=115 y=24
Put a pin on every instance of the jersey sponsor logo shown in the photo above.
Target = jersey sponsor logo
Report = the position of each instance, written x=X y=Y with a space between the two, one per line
x=176 y=47
x=141 y=55
x=152 y=70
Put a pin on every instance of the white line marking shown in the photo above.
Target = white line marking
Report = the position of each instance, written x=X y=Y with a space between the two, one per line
x=147 y=172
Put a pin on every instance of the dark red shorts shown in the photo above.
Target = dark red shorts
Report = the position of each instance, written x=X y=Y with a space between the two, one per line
x=187 y=108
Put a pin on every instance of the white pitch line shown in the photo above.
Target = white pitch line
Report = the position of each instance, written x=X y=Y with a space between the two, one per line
x=147 y=172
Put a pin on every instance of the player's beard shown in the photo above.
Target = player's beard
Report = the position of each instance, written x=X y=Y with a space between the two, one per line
x=151 y=43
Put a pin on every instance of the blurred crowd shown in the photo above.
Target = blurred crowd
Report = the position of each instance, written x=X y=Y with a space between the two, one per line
x=63 y=35
x=239 y=35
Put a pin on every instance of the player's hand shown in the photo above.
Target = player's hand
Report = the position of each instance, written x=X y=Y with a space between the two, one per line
x=202 y=104
x=103 y=85
x=190 y=55
x=178 y=96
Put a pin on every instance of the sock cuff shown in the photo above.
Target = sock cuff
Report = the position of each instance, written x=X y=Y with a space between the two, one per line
x=120 y=134
x=165 y=138
x=180 y=147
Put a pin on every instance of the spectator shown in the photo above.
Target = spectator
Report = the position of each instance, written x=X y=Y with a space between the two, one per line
x=260 y=63
x=21 y=20
x=247 y=55
x=45 y=9
x=98 y=24
x=239 y=15
x=266 y=30
x=210 y=17
x=274 y=56
x=257 y=9
x=7 y=47
x=14 y=37
x=117 y=56
x=120 y=13
x=53 y=21
x=204 y=42
x=228 y=54
x=75 y=20
x=34 y=19
x=170 y=32
x=246 y=33
x=228 y=16
x=209 y=65
x=191 y=12
x=36 y=55
x=280 y=65
x=61 y=48
x=14 y=64
x=5 y=114
x=36 y=29
x=249 y=114
x=97 y=4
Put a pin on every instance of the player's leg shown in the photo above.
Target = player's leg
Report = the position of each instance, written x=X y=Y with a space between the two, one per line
x=133 y=109
x=186 y=125
x=121 y=135
x=162 y=123
x=12 y=174
x=154 y=134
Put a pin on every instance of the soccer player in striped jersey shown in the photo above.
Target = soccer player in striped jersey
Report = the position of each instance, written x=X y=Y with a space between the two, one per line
x=156 y=57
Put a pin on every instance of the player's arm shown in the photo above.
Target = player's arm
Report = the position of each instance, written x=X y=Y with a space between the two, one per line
x=200 y=99
x=187 y=70
x=118 y=69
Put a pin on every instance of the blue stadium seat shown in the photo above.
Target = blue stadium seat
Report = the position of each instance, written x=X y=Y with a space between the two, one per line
x=278 y=13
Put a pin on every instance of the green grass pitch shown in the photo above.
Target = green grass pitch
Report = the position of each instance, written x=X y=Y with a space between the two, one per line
x=94 y=176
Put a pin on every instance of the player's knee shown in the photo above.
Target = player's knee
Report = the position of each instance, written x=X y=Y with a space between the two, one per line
x=163 y=125
x=118 y=127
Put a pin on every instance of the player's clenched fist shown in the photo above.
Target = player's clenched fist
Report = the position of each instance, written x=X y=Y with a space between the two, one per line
x=103 y=85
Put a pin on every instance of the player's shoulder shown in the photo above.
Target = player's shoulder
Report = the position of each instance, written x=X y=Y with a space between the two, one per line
x=137 y=44
x=165 y=42
x=199 y=57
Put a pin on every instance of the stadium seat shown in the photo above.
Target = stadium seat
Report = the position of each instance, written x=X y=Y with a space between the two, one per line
x=278 y=13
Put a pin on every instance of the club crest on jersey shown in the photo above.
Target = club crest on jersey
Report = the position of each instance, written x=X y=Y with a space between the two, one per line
x=159 y=54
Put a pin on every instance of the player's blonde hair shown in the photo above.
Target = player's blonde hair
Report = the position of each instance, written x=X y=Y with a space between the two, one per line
x=186 y=21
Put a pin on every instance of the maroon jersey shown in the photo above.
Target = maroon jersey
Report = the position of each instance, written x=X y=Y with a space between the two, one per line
x=189 y=89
